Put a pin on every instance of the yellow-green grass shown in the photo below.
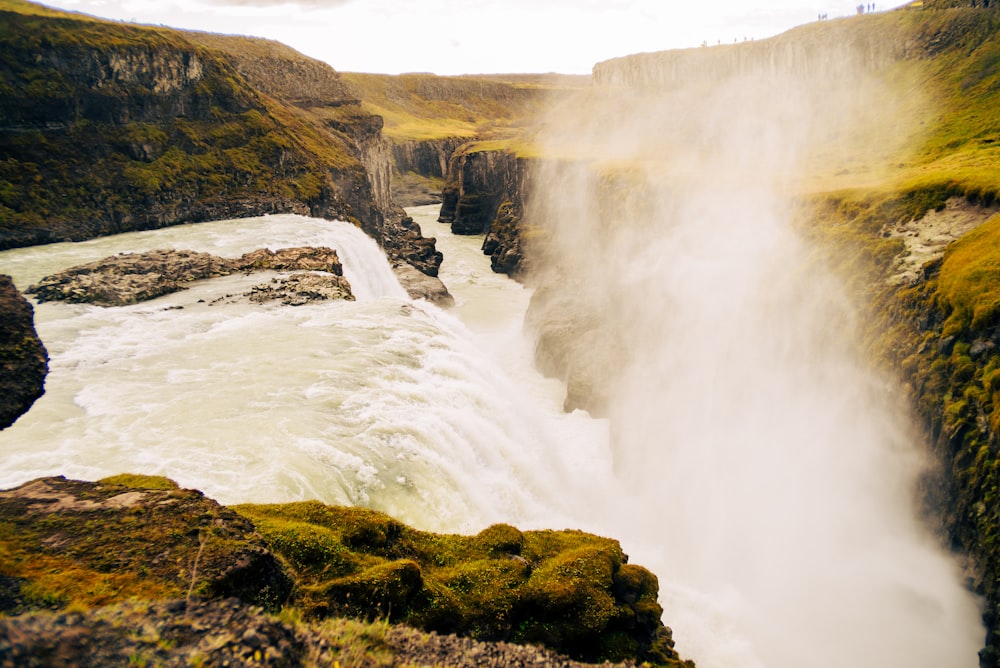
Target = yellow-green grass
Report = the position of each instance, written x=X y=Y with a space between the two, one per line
x=970 y=280
x=424 y=106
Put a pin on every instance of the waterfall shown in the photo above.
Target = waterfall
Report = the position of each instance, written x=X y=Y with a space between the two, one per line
x=383 y=402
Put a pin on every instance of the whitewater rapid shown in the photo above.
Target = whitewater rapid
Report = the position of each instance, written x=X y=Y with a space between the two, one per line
x=383 y=402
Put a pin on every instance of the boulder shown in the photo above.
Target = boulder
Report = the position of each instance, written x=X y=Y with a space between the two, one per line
x=23 y=359
x=129 y=278
x=302 y=288
x=94 y=543
x=421 y=286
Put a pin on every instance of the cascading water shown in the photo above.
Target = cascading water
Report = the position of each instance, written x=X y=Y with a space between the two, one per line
x=383 y=402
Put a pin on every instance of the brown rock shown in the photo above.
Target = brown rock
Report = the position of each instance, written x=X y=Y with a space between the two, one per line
x=299 y=289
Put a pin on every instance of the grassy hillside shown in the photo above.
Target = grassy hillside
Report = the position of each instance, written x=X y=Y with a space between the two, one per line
x=106 y=127
x=425 y=106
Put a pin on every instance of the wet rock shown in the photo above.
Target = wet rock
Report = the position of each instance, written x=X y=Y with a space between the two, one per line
x=299 y=289
x=305 y=258
x=421 y=286
x=130 y=278
x=23 y=359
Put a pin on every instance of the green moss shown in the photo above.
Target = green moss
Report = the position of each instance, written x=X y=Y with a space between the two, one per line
x=569 y=590
x=423 y=106
x=128 y=536
x=969 y=282
x=139 y=481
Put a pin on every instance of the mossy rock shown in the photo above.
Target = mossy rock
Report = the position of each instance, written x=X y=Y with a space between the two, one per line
x=139 y=481
x=384 y=591
x=67 y=542
x=568 y=590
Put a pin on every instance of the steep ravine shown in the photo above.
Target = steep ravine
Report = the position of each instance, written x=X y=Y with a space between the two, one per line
x=486 y=193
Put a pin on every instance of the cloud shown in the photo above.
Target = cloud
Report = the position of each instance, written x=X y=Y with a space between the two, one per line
x=308 y=4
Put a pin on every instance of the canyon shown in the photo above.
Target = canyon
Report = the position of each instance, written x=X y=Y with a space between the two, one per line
x=893 y=201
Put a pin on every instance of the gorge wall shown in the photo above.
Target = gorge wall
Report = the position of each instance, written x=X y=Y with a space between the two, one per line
x=814 y=50
x=110 y=127
x=486 y=193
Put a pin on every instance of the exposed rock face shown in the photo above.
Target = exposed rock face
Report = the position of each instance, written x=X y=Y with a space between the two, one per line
x=128 y=536
x=427 y=158
x=478 y=182
x=304 y=82
x=23 y=359
x=421 y=168
x=411 y=247
x=486 y=193
x=503 y=241
x=834 y=52
x=927 y=237
x=130 y=278
x=573 y=343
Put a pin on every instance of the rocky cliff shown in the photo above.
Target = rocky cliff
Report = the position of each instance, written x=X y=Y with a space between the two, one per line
x=936 y=329
x=825 y=51
x=420 y=168
x=486 y=193
x=23 y=359
x=429 y=117
x=108 y=127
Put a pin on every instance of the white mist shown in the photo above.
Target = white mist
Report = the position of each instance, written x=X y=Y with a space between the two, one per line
x=770 y=474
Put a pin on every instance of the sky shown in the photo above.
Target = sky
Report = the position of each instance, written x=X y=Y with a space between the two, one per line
x=476 y=36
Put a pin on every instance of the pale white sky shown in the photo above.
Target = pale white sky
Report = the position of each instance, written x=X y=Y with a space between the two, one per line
x=476 y=36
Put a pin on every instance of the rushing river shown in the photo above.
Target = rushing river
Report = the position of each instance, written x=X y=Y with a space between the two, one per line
x=436 y=417
x=384 y=402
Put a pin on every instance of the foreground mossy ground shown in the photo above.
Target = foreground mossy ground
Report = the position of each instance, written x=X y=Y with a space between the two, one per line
x=567 y=590
x=74 y=545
